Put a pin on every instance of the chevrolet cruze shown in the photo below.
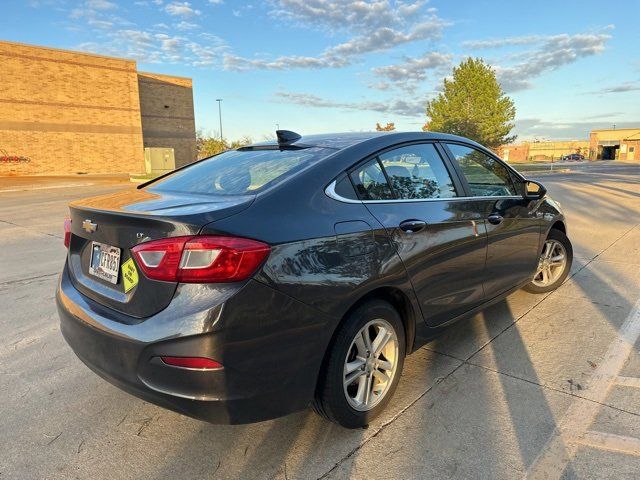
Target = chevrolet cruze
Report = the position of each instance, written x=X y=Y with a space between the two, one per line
x=299 y=272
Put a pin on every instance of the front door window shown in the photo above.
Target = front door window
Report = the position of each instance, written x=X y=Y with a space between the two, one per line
x=485 y=175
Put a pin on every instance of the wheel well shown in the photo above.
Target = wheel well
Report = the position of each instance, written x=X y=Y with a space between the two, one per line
x=559 y=226
x=399 y=300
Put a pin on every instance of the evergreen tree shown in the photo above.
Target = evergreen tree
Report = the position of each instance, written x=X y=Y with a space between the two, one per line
x=473 y=105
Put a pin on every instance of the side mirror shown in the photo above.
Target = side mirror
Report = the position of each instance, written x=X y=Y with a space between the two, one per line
x=532 y=190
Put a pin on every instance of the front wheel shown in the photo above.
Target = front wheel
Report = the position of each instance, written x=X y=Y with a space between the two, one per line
x=363 y=365
x=554 y=263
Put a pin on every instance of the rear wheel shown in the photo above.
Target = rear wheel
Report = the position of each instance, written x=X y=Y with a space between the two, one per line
x=554 y=263
x=363 y=365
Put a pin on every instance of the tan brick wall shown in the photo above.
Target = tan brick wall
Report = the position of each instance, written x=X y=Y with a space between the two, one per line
x=67 y=112
x=626 y=136
x=514 y=153
x=166 y=105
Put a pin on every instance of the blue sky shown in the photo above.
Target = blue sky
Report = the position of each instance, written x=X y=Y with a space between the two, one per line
x=323 y=66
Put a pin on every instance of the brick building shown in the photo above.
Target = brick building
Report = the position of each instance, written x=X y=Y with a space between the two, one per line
x=542 y=151
x=621 y=144
x=64 y=112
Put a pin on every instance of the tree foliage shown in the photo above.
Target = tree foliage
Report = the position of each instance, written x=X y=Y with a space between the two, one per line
x=213 y=145
x=473 y=104
x=389 y=127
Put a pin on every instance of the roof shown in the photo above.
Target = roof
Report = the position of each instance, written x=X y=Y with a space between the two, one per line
x=339 y=141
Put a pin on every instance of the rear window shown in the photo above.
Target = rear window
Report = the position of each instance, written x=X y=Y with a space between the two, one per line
x=240 y=172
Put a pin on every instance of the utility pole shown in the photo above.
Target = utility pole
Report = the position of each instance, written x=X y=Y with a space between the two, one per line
x=614 y=126
x=219 y=100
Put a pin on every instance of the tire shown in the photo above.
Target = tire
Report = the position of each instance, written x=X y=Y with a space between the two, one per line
x=538 y=285
x=336 y=402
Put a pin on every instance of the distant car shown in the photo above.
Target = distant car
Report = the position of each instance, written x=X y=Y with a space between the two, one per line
x=572 y=157
x=252 y=283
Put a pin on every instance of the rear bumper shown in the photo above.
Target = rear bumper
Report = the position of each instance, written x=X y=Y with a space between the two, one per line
x=270 y=364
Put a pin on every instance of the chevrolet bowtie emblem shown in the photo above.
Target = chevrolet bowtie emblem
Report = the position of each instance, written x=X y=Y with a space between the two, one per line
x=89 y=226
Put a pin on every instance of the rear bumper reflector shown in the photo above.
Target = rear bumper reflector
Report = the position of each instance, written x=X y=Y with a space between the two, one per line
x=200 y=363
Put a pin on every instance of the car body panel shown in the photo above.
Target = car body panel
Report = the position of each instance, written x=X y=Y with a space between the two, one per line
x=271 y=332
x=445 y=261
x=512 y=250
x=127 y=218
x=265 y=356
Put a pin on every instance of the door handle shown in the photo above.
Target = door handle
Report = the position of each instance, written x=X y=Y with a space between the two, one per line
x=412 y=226
x=495 y=218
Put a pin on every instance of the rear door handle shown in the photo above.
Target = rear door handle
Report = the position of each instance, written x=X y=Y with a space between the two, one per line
x=412 y=226
x=495 y=218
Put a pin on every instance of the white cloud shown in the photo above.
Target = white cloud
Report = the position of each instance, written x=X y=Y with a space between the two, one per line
x=187 y=26
x=181 y=9
x=376 y=26
x=411 y=71
x=100 y=5
x=239 y=64
x=150 y=47
x=98 y=14
x=529 y=128
x=348 y=15
x=619 y=88
x=502 y=42
x=553 y=52
x=403 y=107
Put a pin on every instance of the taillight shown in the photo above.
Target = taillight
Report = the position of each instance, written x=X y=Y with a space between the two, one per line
x=200 y=363
x=67 y=232
x=200 y=259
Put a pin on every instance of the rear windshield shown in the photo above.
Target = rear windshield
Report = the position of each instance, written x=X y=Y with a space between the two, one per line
x=240 y=172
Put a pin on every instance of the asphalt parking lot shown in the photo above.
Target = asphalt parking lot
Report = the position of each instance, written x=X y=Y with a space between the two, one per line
x=537 y=386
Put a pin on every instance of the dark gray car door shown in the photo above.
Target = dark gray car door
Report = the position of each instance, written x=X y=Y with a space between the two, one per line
x=513 y=227
x=440 y=236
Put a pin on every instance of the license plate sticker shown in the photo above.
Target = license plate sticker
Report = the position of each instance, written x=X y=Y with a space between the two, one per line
x=105 y=262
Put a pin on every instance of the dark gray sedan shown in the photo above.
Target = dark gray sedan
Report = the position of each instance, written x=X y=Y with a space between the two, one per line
x=302 y=271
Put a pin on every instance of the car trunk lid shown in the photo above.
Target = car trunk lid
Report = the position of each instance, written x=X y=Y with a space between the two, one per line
x=125 y=219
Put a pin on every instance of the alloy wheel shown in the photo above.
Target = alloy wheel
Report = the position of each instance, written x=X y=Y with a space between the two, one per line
x=551 y=265
x=370 y=365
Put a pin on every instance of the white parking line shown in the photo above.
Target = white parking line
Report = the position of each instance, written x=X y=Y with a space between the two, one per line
x=612 y=442
x=572 y=430
x=628 y=382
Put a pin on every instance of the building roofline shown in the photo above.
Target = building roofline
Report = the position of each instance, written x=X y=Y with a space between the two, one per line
x=613 y=129
x=92 y=55
x=66 y=50
x=164 y=75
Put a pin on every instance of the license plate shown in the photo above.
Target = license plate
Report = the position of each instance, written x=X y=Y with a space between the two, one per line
x=105 y=262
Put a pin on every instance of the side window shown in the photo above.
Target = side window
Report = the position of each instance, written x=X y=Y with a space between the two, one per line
x=345 y=189
x=485 y=175
x=371 y=182
x=417 y=172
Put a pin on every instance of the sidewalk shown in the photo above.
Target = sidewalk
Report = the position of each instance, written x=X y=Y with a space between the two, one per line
x=27 y=183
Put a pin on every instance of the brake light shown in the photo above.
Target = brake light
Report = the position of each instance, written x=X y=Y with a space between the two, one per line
x=200 y=363
x=67 y=232
x=200 y=259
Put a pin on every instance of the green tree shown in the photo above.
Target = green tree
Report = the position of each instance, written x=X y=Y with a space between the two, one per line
x=390 y=127
x=473 y=104
x=213 y=145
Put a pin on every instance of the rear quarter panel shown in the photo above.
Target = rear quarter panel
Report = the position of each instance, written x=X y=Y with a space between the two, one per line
x=325 y=253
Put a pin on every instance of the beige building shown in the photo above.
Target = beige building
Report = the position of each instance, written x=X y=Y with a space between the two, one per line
x=67 y=112
x=619 y=144
x=542 y=151
x=555 y=150
x=616 y=144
